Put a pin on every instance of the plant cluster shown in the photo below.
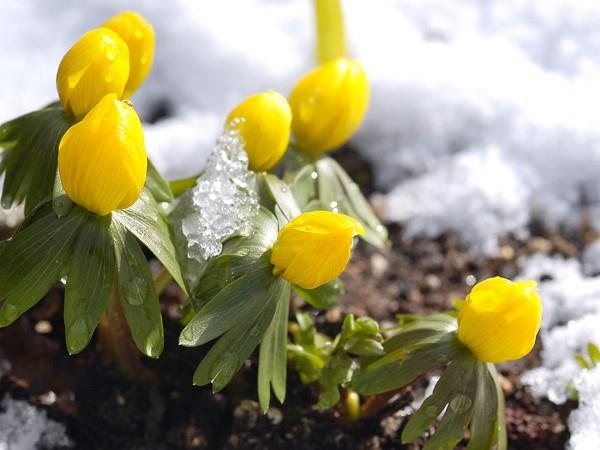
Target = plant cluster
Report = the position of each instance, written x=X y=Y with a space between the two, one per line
x=93 y=200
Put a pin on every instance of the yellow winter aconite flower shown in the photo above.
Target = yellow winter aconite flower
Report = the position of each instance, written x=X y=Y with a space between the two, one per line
x=263 y=120
x=102 y=159
x=500 y=319
x=314 y=248
x=97 y=65
x=328 y=105
x=138 y=34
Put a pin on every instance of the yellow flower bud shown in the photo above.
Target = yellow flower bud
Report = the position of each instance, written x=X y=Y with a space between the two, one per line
x=138 y=34
x=102 y=159
x=328 y=105
x=314 y=248
x=98 y=64
x=263 y=120
x=500 y=319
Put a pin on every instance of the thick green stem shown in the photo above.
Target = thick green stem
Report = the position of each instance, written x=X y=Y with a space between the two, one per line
x=331 y=37
x=117 y=344
x=352 y=405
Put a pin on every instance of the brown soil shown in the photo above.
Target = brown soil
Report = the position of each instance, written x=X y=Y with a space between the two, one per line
x=102 y=411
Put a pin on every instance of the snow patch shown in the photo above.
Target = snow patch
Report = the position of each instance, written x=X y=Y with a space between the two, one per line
x=25 y=427
x=571 y=320
x=584 y=422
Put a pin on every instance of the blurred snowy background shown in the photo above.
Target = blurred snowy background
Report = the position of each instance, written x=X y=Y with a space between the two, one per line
x=485 y=115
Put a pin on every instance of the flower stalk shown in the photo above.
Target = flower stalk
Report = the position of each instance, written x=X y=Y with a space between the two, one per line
x=331 y=36
x=116 y=342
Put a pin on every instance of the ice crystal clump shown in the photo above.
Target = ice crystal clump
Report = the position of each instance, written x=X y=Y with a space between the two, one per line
x=223 y=200
x=25 y=427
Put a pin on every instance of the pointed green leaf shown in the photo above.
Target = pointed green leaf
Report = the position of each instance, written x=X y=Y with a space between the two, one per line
x=366 y=347
x=230 y=306
x=396 y=370
x=138 y=295
x=145 y=220
x=448 y=384
x=157 y=185
x=233 y=348
x=264 y=230
x=338 y=191
x=181 y=185
x=33 y=260
x=501 y=437
x=457 y=416
x=240 y=255
x=329 y=397
x=420 y=332
x=272 y=360
x=222 y=271
x=594 y=352
x=304 y=187
x=281 y=193
x=483 y=425
x=29 y=158
x=323 y=297
x=89 y=283
x=60 y=202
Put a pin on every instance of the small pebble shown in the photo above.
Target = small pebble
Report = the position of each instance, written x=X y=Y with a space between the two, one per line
x=540 y=245
x=470 y=280
x=507 y=252
x=43 y=327
x=120 y=399
x=433 y=282
x=379 y=265
x=49 y=398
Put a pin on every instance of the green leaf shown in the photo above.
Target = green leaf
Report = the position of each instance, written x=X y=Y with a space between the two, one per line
x=304 y=188
x=157 y=185
x=34 y=259
x=235 y=346
x=365 y=347
x=396 y=370
x=483 y=425
x=419 y=333
x=500 y=432
x=29 y=158
x=282 y=195
x=272 y=360
x=178 y=187
x=239 y=256
x=89 y=283
x=61 y=204
x=264 y=230
x=457 y=416
x=594 y=352
x=145 y=220
x=323 y=297
x=449 y=383
x=582 y=361
x=138 y=295
x=232 y=305
x=220 y=272
x=337 y=190
x=329 y=397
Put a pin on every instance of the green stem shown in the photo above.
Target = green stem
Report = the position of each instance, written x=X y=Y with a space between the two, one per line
x=331 y=37
x=181 y=185
x=352 y=404
x=116 y=342
x=162 y=280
